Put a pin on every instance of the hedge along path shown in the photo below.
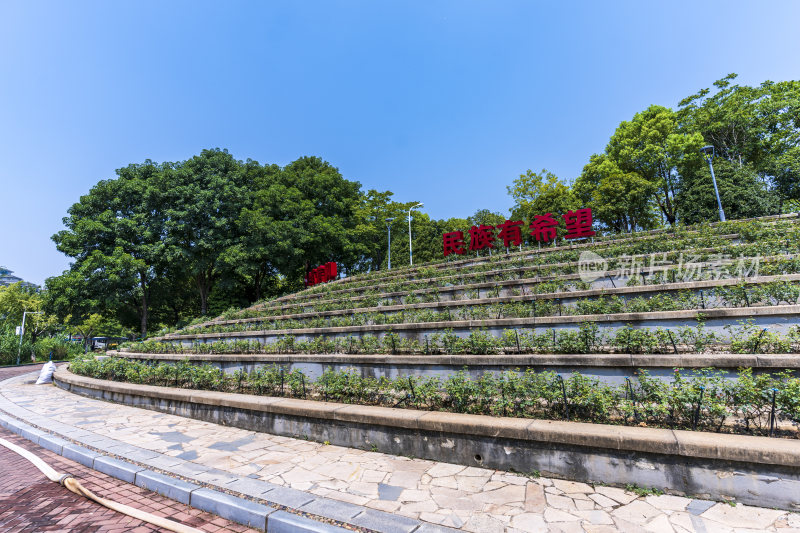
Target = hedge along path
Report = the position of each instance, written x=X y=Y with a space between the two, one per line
x=776 y=261
x=535 y=395
x=753 y=250
x=693 y=314
x=561 y=296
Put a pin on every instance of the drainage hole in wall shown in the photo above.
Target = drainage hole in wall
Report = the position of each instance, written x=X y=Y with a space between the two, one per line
x=478 y=458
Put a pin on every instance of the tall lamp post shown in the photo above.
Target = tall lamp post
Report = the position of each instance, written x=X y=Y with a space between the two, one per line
x=410 y=251
x=389 y=229
x=708 y=152
x=22 y=331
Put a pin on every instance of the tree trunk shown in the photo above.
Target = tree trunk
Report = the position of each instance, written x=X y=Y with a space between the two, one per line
x=204 y=284
x=203 y=301
x=143 y=311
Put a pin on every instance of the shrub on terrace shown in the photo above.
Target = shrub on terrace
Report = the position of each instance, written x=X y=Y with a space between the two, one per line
x=703 y=399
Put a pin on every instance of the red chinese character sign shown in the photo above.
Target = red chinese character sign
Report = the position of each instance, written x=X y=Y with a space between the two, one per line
x=543 y=228
x=510 y=233
x=579 y=224
x=481 y=237
x=453 y=243
x=322 y=274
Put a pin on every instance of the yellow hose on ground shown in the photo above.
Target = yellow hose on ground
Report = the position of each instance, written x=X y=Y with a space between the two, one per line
x=74 y=486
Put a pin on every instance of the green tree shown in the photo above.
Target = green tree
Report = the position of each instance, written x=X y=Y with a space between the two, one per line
x=117 y=229
x=202 y=201
x=307 y=214
x=622 y=201
x=651 y=146
x=486 y=217
x=537 y=194
x=755 y=126
x=95 y=325
x=252 y=255
x=16 y=299
x=742 y=192
x=371 y=228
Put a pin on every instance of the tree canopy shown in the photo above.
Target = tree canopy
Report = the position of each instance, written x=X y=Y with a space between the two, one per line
x=163 y=243
x=652 y=171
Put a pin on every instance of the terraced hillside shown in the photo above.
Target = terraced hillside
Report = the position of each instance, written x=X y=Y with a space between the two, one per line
x=674 y=333
x=711 y=308
x=730 y=288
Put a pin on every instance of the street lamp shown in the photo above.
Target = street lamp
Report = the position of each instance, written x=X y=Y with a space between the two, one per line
x=708 y=152
x=410 y=252
x=22 y=331
x=389 y=229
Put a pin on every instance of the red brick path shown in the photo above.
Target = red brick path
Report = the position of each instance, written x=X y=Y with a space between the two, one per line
x=31 y=502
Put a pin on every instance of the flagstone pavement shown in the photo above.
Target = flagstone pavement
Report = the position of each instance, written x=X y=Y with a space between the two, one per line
x=471 y=499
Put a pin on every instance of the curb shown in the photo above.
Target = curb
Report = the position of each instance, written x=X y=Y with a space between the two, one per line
x=230 y=507
x=278 y=518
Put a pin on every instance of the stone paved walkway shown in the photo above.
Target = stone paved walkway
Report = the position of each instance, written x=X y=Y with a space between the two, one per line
x=29 y=502
x=467 y=498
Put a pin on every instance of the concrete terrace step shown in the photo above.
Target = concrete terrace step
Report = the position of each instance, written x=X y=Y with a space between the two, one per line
x=460 y=284
x=561 y=295
x=784 y=315
x=682 y=360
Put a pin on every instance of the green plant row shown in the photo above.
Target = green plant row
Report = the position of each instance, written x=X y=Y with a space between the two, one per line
x=741 y=295
x=374 y=298
x=551 y=279
x=747 y=231
x=745 y=337
x=706 y=400
x=771 y=238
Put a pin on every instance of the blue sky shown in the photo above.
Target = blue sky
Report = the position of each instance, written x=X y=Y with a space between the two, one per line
x=444 y=102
